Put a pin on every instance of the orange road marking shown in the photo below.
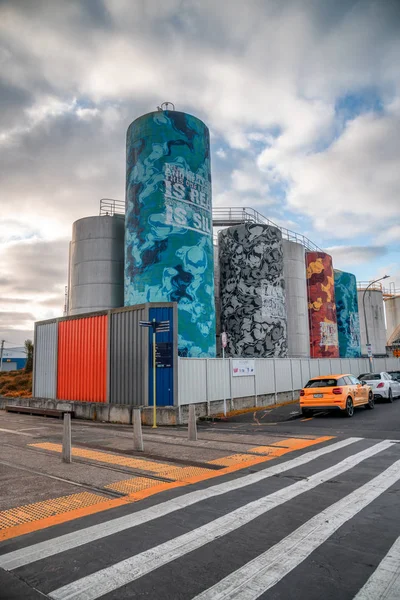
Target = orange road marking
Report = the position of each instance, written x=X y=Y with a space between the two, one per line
x=292 y=445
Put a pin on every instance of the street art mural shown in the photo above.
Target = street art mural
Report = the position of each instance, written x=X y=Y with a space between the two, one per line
x=348 y=321
x=252 y=291
x=168 y=236
x=321 y=306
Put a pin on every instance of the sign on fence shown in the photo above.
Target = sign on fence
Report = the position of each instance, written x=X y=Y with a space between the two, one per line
x=243 y=367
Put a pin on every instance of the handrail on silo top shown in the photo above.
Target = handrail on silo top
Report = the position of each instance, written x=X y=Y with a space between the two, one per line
x=363 y=285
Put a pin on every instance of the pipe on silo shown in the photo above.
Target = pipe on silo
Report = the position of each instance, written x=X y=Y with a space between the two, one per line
x=321 y=306
x=168 y=223
x=252 y=290
x=348 y=319
x=298 y=335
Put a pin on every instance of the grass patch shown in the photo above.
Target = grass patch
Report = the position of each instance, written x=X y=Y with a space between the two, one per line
x=16 y=384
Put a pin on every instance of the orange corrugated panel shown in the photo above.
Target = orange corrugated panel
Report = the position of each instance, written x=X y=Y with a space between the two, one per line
x=82 y=359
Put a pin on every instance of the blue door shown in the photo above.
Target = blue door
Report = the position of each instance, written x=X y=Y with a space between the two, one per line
x=164 y=360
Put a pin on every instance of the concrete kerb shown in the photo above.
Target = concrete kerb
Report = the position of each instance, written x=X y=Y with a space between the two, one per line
x=166 y=415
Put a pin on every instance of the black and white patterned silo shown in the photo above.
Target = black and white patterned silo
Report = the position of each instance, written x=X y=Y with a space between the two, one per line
x=252 y=289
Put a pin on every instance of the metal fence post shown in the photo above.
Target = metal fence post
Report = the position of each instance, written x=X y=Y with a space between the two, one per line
x=137 y=430
x=66 y=445
x=231 y=383
x=207 y=391
x=192 y=427
x=275 y=390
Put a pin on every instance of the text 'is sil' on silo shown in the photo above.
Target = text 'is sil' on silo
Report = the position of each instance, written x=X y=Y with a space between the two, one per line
x=321 y=306
x=252 y=290
x=348 y=319
x=298 y=335
x=168 y=236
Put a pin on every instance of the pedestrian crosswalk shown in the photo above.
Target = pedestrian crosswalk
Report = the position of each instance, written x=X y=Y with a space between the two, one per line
x=242 y=539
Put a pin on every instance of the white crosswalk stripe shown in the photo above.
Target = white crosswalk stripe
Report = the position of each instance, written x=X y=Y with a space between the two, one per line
x=30 y=554
x=384 y=583
x=259 y=575
x=124 y=572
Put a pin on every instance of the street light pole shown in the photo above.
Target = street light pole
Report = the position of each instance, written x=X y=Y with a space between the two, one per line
x=365 y=314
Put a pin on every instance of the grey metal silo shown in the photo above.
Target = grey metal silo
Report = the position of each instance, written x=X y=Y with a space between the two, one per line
x=96 y=266
x=374 y=312
x=252 y=288
x=298 y=335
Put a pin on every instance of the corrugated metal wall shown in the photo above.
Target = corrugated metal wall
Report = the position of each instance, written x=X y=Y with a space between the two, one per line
x=128 y=357
x=45 y=360
x=82 y=359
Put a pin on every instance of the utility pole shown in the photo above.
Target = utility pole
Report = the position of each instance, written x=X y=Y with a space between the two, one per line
x=1 y=354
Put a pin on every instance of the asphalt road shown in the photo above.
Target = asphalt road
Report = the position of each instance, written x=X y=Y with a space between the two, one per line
x=319 y=523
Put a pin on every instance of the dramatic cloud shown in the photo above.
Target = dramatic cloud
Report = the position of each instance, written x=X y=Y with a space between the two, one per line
x=301 y=96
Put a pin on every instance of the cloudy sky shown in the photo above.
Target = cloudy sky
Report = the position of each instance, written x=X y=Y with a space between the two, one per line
x=302 y=98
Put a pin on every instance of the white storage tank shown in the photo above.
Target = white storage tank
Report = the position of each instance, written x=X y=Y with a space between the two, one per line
x=298 y=335
x=375 y=320
x=96 y=264
x=392 y=309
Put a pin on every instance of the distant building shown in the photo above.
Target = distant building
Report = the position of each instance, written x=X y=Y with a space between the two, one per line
x=13 y=359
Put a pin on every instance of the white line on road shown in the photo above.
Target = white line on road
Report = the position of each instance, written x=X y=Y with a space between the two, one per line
x=259 y=575
x=384 y=583
x=30 y=554
x=17 y=432
x=124 y=572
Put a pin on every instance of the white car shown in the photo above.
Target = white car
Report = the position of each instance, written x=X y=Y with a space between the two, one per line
x=382 y=385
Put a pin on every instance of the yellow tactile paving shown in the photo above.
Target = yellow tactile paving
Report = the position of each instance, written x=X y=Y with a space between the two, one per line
x=113 y=459
x=47 y=508
x=136 y=484
x=234 y=459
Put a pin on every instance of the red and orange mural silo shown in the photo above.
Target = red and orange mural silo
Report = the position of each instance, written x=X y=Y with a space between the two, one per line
x=321 y=306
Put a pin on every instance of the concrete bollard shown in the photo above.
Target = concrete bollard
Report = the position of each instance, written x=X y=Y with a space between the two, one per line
x=66 y=444
x=137 y=430
x=192 y=427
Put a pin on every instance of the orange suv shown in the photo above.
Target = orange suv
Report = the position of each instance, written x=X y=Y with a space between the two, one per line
x=335 y=392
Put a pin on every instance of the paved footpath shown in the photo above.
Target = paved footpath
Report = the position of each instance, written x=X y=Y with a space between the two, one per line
x=305 y=511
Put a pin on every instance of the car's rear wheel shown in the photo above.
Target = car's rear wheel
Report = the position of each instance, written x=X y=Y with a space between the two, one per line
x=390 y=395
x=371 y=401
x=349 y=410
x=306 y=412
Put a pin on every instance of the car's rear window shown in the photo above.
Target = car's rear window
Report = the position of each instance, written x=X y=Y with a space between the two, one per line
x=370 y=377
x=318 y=383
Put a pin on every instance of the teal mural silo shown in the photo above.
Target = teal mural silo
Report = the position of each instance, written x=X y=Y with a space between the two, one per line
x=168 y=234
x=348 y=320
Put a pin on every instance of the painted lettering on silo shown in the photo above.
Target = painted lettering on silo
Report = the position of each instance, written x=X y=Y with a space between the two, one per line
x=321 y=306
x=252 y=290
x=168 y=237
x=348 y=320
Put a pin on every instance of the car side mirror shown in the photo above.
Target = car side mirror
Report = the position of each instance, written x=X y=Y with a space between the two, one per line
x=363 y=383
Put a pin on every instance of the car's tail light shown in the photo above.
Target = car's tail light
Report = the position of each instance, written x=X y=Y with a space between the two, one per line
x=381 y=384
x=337 y=391
x=302 y=393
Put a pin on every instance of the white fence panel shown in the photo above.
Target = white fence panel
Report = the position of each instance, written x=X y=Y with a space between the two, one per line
x=392 y=364
x=345 y=362
x=296 y=374
x=336 y=366
x=324 y=366
x=283 y=375
x=243 y=386
x=305 y=372
x=265 y=379
x=379 y=364
x=354 y=366
x=192 y=380
x=363 y=366
x=218 y=377
x=314 y=368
